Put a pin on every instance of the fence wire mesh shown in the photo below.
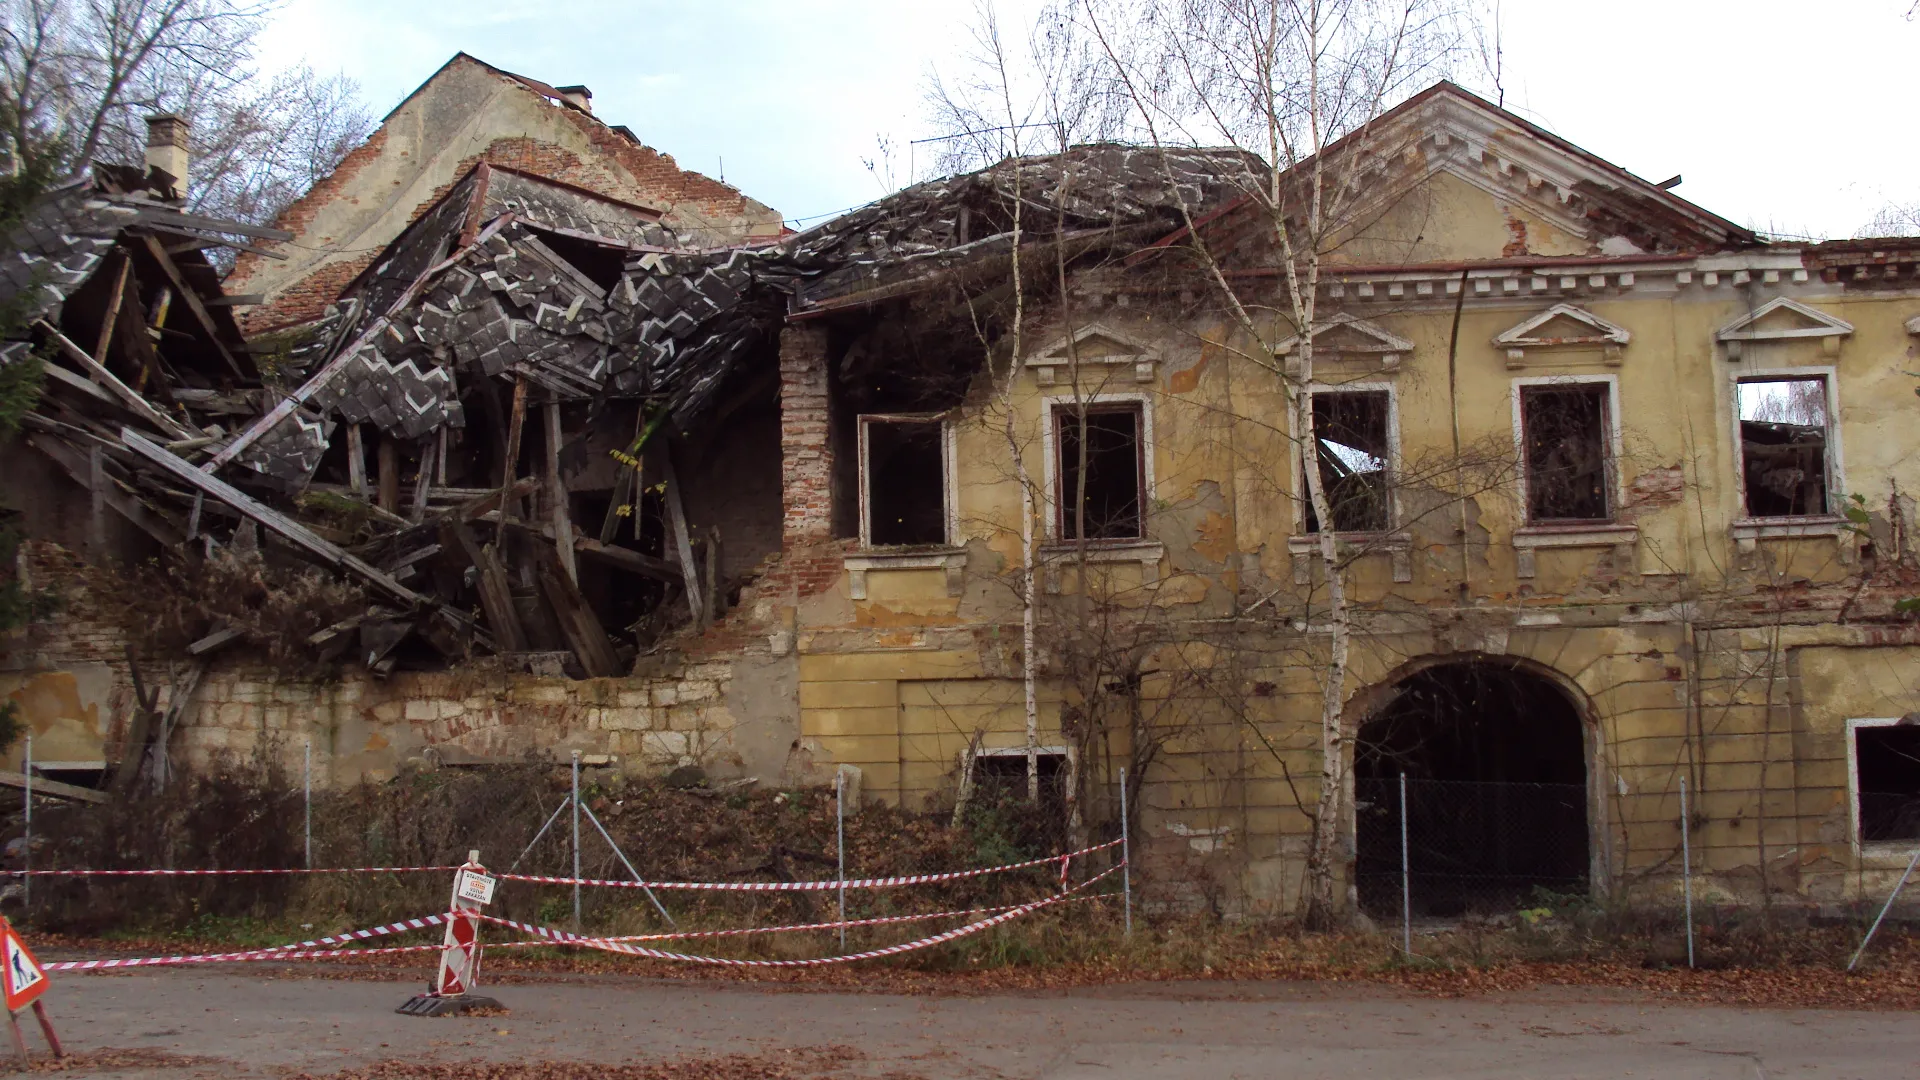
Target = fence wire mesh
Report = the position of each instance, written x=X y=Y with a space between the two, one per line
x=1472 y=848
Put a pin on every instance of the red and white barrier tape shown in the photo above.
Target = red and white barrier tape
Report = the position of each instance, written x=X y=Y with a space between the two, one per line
x=201 y=873
x=609 y=945
x=300 y=950
x=808 y=886
x=796 y=927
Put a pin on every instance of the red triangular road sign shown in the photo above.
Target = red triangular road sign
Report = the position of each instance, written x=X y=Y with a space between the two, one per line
x=20 y=974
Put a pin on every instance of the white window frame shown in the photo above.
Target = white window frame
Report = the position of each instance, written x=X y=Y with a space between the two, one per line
x=1862 y=846
x=1393 y=454
x=1836 y=471
x=1616 y=485
x=1051 y=453
x=949 y=473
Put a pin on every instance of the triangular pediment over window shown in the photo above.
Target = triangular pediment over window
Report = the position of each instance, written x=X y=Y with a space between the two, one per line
x=1093 y=344
x=1563 y=326
x=1348 y=337
x=1782 y=319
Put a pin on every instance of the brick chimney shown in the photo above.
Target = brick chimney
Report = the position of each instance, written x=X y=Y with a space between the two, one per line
x=167 y=148
x=578 y=96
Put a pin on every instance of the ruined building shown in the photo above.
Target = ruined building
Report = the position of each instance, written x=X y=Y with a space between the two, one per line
x=1619 y=493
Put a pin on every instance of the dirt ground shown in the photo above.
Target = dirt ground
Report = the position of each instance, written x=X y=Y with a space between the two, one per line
x=179 y=1023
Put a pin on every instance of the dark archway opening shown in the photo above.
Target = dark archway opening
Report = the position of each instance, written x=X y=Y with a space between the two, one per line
x=1495 y=761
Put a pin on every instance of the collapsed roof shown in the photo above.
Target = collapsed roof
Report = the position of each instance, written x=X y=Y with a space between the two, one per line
x=567 y=297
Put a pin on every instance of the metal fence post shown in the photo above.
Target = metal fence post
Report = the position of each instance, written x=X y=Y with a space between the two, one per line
x=1686 y=864
x=1406 y=874
x=840 y=845
x=308 y=784
x=1126 y=855
x=576 y=840
x=1888 y=906
x=26 y=840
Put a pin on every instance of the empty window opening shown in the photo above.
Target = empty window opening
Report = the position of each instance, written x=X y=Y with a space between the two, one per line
x=999 y=812
x=1496 y=792
x=903 y=468
x=1565 y=435
x=1783 y=446
x=1887 y=781
x=1351 y=443
x=1101 y=471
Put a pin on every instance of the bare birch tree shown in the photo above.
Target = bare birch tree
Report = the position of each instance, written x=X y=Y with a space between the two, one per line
x=1289 y=81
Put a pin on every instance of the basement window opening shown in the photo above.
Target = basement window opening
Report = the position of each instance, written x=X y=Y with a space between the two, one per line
x=1351 y=442
x=1565 y=440
x=903 y=476
x=1783 y=446
x=1886 y=780
x=1103 y=501
x=1003 y=772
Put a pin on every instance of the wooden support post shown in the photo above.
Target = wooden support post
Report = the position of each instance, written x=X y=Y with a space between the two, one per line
x=389 y=499
x=496 y=594
x=97 y=488
x=714 y=599
x=417 y=512
x=440 y=457
x=515 y=423
x=682 y=542
x=139 y=729
x=112 y=316
x=356 y=460
x=557 y=508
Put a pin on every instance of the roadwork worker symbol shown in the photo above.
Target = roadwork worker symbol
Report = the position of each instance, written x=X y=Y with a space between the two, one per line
x=23 y=977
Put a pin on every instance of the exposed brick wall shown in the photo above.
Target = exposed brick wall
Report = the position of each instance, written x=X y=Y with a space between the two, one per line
x=805 y=457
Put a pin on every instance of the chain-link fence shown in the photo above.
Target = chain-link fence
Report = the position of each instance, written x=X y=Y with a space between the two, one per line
x=1470 y=848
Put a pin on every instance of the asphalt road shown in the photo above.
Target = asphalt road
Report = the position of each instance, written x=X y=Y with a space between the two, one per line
x=250 y=1025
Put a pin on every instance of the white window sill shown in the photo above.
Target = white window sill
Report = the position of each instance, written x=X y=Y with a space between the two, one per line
x=1889 y=854
x=1748 y=532
x=952 y=560
x=1056 y=555
x=1531 y=538
x=1398 y=546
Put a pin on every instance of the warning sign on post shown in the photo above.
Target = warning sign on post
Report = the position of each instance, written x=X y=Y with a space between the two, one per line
x=22 y=976
x=475 y=887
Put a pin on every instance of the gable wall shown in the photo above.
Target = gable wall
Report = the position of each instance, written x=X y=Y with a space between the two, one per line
x=464 y=115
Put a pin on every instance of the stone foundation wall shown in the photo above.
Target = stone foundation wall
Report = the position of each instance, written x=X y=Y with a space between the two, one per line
x=720 y=708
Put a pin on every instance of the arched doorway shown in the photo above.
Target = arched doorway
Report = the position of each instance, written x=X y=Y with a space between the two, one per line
x=1494 y=754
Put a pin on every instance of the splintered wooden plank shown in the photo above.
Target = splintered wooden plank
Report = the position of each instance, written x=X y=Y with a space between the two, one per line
x=496 y=595
x=514 y=426
x=683 y=543
x=557 y=496
x=578 y=623
x=294 y=532
x=134 y=402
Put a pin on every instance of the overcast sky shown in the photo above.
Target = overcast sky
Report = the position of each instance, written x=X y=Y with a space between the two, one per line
x=1783 y=114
